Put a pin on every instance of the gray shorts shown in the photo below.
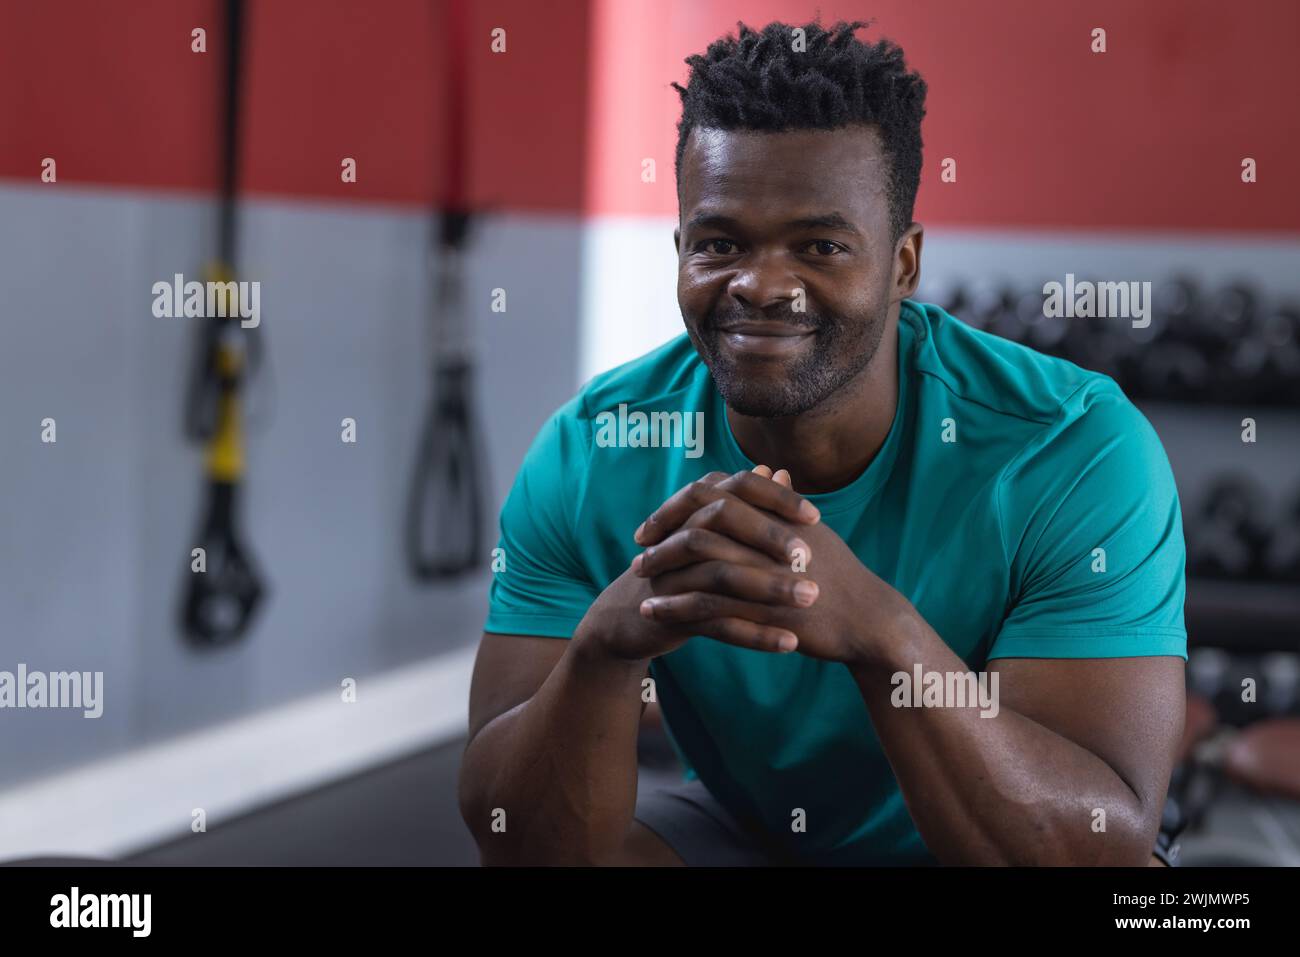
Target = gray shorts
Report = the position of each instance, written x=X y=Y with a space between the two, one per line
x=694 y=824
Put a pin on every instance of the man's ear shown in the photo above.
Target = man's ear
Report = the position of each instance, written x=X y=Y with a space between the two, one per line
x=677 y=241
x=907 y=262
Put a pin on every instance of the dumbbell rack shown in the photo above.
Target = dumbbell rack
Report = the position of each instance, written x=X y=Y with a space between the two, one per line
x=1238 y=502
x=1205 y=360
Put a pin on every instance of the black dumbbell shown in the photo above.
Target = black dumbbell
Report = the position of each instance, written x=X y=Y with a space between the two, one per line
x=1087 y=341
x=1281 y=558
x=1230 y=315
x=1230 y=533
x=951 y=298
x=1279 y=332
x=1175 y=371
x=1168 y=359
x=1238 y=702
x=975 y=303
x=994 y=305
x=1176 y=308
x=1028 y=322
x=1132 y=344
x=1231 y=335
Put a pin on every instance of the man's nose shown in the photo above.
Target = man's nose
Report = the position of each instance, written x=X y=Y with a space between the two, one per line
x=764 y=281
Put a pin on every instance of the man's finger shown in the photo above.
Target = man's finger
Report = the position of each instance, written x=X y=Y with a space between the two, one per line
x=751 y=487
x=688 y=546
x=747 y=634
x=772 y=585
x=697 y=606
x=754 y=527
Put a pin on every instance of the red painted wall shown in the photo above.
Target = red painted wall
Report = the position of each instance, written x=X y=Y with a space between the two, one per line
x=110 y=89
x=1149 y=135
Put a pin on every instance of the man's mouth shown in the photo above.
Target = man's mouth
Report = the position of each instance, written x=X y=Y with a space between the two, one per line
x=764 y=338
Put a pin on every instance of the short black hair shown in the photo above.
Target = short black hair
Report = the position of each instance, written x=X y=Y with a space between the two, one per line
x=757 y=81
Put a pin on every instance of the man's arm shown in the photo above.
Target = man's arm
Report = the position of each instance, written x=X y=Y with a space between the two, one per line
x=552 y=744
x=1092 y=532
x=553 y=723
x=1072 y=738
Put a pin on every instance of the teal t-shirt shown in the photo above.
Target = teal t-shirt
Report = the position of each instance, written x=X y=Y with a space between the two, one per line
x=1005 y=475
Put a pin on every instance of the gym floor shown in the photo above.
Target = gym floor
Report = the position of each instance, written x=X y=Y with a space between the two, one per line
x=401 y=814
x=405 y=814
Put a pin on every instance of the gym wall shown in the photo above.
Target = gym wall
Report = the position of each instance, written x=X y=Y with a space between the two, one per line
x=97 y=527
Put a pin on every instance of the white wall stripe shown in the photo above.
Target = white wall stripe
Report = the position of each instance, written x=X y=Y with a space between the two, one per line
x=114 y=807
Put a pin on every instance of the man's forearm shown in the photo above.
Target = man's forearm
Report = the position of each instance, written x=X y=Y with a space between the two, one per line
x=562 y=765
x=1001 y=789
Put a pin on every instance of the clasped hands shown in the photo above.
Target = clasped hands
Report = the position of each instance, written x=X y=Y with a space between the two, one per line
x=746 y=560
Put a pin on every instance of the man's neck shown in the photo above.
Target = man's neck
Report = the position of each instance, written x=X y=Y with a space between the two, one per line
x=827 y=447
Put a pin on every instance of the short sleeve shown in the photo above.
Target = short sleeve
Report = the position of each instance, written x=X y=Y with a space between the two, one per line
x=1093 y=532
x=540 y=587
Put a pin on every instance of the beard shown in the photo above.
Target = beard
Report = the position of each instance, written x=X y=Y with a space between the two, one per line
x=841 y=348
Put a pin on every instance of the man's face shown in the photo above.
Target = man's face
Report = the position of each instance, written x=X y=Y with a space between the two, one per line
x=772 y=223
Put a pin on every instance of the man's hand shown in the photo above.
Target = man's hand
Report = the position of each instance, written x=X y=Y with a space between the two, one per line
x=618 y=627
x=842 y=611
x=745 y=580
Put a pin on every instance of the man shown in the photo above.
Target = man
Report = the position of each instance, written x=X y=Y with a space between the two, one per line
x=944 y=502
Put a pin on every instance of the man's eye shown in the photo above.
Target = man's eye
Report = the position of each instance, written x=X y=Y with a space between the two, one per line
x=824 y=247
x=709 y=245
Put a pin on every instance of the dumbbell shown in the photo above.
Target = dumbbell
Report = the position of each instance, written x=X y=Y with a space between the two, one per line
x=1232 y=337
x=1282 y=553
x=991 y=306
x=1178 y=301
x=951 y=298
x=1169 y=357
x=1230 y=534
x=1229 y=315
x=1231 y=703
x=1028 y=323
x=1133 y=344
x=1086 y=341
x=975 y=303
x=1261 y=343
x=1280 y=684
x=1279 y=336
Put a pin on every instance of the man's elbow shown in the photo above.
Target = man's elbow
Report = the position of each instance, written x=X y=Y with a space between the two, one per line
x=508 y=841
x=1124 y=837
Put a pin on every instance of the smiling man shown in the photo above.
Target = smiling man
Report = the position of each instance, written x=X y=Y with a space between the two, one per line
x=944 y=503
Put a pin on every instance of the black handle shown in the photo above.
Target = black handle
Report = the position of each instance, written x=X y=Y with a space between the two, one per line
x=220 y=602
x=444 y=528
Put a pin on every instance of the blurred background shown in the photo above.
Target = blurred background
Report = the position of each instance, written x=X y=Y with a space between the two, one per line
x=314 y=712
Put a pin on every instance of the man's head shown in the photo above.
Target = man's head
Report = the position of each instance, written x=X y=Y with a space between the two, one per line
x=798 y=161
